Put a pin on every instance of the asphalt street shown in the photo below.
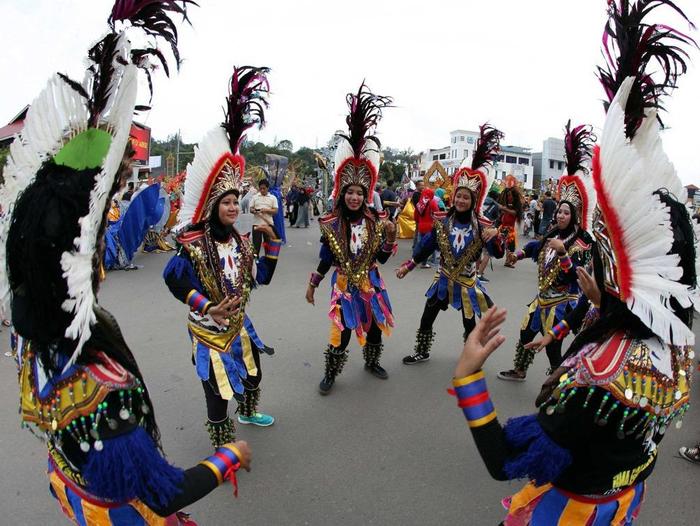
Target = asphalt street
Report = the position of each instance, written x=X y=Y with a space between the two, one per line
x=372 y=452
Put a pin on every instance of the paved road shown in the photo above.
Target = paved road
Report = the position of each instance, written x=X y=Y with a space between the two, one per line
x=373 y=452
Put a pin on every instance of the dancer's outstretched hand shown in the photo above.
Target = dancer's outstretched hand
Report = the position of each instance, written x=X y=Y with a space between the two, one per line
x=588 y=285
x=310 y=290
x=246 y=454
x=483 y=340
x=538 y=345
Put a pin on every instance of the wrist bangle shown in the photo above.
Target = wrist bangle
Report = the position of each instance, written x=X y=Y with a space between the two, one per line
x=409 y=264
x=315 y=279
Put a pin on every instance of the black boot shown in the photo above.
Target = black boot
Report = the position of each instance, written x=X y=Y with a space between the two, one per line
x=421 y=352
x=335 y=360
x=221 y=433
x=372 y=353
x=523 y=359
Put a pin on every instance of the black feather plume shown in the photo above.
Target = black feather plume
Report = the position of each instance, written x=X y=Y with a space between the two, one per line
x=153 y=17
x=365 y=113
x=578 y=147
x=630 y=45
x=246 y=103
x=488 y=144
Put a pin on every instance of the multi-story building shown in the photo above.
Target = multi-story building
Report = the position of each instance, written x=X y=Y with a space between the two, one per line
x=516 y=161
x=549 y=163
x=513 y=160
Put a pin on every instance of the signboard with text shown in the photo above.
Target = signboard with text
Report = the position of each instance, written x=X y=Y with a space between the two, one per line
x=140 y=137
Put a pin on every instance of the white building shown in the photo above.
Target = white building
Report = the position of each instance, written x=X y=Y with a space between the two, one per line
x=516 y=161
x=549 y=163
x=513 y=160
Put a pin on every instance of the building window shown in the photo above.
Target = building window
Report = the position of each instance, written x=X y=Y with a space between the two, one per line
x=560 y=165
x=443 y=155
x=511 y=159
x=524 y=160
x=470 y=140
x=503 y=176
x=551 y=164
x=466 y=154
x=498 y=157
x=525 y=180
x=435 y=157
x=461 y=138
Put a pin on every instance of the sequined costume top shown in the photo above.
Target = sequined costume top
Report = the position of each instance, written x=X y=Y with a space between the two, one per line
x=557 y=288
x=358 y=293
x=204 y=272
x=104 y=465
x=460 y=246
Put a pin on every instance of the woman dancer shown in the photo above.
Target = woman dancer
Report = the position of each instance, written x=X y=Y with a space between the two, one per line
x=80 y=385
x=215 y=268
x=562 y=251
x=354 y=238
x=460 y=238
x=594 y=442
x=510 y=202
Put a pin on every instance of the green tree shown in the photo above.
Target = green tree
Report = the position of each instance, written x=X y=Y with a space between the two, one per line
x=285 y=145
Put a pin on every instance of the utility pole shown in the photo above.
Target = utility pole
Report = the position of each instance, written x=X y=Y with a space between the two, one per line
x=177 y=153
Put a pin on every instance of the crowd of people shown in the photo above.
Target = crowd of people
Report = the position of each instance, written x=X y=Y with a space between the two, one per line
x=614 y=246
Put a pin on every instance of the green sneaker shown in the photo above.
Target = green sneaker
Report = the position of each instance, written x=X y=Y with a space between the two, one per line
x=258 y=419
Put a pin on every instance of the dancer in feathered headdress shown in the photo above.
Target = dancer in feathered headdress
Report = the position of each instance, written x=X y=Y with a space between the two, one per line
x=353 y=239
x=594 y=442
x=214 y=271
x=461 y=238
x=563 y=249
x=80 y=385
x=575 y=189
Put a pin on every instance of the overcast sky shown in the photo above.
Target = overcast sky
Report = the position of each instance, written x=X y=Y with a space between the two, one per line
x=526 y=67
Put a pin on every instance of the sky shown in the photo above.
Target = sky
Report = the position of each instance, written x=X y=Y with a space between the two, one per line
x=525 y=67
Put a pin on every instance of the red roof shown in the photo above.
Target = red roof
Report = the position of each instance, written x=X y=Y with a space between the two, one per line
x=9 y=131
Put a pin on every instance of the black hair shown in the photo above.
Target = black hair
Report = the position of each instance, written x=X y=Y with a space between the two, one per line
x=517 y=201
x=263 y=182
x=614 y=314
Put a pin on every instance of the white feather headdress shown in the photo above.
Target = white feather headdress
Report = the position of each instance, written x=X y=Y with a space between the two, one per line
x=633 y=227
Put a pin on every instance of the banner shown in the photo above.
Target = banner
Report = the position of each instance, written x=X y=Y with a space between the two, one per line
x=140 y=137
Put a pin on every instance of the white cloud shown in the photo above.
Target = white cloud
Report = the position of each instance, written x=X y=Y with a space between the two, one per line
x=527 y=67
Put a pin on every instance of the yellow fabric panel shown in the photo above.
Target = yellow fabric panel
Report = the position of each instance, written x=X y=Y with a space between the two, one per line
x=96 y=515
x=576 y=513
x=60 y=489
x=248 y=358
x=334 y=337
x=221 y=341
x=526 y=495
x=151 y=517
x=220 y=375
x=623 y=506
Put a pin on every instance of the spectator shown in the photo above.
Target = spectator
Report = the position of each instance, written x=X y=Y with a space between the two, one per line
x=548 y=208
x=263 y=205
x=302 y=203
x=423 y=215
x=129 y=192
x=390 y=201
